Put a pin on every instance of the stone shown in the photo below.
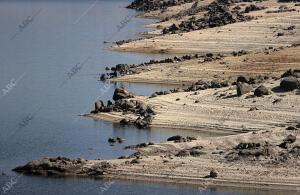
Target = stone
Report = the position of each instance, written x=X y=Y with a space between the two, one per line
x=112 y=140
x=135 y=161
x=290 y=83
x=175 y=138
x=120 y=140
x=242 y=79
x=243 y=88
x=290 y=139
x=120 y=93
x=213 y=174
x=183 y=153
x=99 y=105
x=261 y=91
x=124 y=121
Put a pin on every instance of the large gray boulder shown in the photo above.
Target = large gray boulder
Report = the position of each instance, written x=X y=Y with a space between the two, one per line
x=243 y=88
x=290 y=83
x=98 y=105
x=120 y=93
x=261 y=90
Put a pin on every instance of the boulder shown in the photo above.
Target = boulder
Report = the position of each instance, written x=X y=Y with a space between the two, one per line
x=242 y=79
x=213 y=174
x=290 y=83
x=120 y=93
x=124 y=121
x=175 y=138
x=122 y=67
x=183 y=153
x=261 y=90
x=112 y=140
x=99 y=105
x=135 y=161
x=103 y=77
x=243 y=88
x=290 y=139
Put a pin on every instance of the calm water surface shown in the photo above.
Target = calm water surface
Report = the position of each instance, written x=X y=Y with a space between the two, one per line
x=49 y=75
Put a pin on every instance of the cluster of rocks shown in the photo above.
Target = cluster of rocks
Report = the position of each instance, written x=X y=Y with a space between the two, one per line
x=296 y=127
x=195 y=8
x=273 y=153
x=218 y=14
x=239 y=53
x=194 y=151
x=251 y=8
x=114 y=140
x=51 y=166
x=288 y=1
x=290 y=81
x=124 y=69
x=247 y=150
x=202 y=85
x=141 y=145
x=62 y=166
x=150 y=5
x=122 y=103
x=244 y=86
x=121 y=42
x=179 y=139
x=281 y=9
x=197 y=86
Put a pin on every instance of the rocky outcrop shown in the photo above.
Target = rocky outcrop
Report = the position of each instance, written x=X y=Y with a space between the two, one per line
x=179 y=138
x=218 y=14
x=51 y=166
x=150 y=5
x=62 y=166
x=124 y=104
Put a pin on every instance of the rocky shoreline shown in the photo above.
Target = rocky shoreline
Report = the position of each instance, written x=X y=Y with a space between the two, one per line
x=251 y=95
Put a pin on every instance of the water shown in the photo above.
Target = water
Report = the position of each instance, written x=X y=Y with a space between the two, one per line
x=49 y=75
